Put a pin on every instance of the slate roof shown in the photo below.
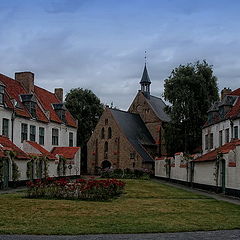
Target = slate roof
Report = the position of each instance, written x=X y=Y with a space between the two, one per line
x=158 y=107
x=45 y=99
x=226 y=148
x=135 y=130
x=6 y=144
x=145 y=77
x=42 y=150
x=233 y=101
x=66 y=152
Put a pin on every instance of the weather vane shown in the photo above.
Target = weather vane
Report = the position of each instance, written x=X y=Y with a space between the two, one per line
x=145 y=57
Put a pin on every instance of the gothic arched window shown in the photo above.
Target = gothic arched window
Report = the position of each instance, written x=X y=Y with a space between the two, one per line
x=109 y=133
x=102 y=133
x=105 y=150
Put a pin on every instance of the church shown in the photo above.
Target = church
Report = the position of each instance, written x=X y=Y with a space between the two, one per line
x=130 y=139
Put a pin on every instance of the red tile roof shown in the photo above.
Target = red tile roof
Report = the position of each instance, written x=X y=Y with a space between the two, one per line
x=6 y=144
x=45 y=100
x=211 y=156
x=66 y=152
x=42 y=150
x=235 y=92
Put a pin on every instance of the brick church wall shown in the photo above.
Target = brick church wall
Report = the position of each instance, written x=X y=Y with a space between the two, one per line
x=119 y=148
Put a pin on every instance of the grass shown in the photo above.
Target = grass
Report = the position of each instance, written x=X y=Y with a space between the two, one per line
x=146 y=206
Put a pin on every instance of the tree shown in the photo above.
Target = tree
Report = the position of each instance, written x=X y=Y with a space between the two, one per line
x=86 y=107
x=190 y=89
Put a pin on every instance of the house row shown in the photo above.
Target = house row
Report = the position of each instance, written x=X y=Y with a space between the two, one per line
x=34 y=124
x=217 y=166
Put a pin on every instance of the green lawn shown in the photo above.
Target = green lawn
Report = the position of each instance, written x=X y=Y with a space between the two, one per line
x=146 y=206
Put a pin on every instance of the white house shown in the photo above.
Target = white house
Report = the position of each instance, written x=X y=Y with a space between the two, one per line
x=223 y=122
x=217 y=168
x=35 y=121
x=28 y=112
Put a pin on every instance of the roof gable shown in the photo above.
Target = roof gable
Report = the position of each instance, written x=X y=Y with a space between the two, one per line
x=66 y=152
x=135 y=130
x=158 y=106
x=6 y=144
x=44 y=99
x=41 y=149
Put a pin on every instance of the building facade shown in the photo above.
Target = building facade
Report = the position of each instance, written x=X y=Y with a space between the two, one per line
x=223 y=122
x=129 y=139
x=28 y=112
x=34 y=121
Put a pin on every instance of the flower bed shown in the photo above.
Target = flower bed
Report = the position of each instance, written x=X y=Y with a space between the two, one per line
x=97 y=190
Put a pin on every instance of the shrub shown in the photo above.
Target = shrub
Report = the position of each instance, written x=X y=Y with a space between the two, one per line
x=126 y=174
x=97 y=190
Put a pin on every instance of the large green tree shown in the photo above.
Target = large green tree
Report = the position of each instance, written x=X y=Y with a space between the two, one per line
x=86 y=107
x=190 y=89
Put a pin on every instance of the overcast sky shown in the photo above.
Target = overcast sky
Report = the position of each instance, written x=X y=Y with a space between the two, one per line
x=100 y=44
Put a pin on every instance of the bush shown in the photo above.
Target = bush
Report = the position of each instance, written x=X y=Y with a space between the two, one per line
x=81 y=189
x=126 y=174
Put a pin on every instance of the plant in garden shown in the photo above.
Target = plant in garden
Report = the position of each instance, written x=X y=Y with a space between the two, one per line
x=127 y=174
x=91 y=189
x=15 y=172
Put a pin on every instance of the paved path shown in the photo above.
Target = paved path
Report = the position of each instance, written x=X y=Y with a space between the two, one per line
x=210 y=235
x=220 y=197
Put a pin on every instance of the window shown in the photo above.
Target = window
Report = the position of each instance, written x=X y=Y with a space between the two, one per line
x=211 y=141
x=70 y=139
x=5 y=127
x=32 y=109
x=54 y=136
x=1 y=94
x=220 y=138
x=227 y=135
x=206 y=142
x=132 y=155
x=236 y=132
x=102 y=134
x=106 y=121
x=41 y=135
x=24 y=132
x=109 y=133
x=32 y=133
x=106 y=150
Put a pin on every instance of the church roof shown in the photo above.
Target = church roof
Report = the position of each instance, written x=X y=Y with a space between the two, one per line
x=145 y=77
x=135 y=130
x=158 y=107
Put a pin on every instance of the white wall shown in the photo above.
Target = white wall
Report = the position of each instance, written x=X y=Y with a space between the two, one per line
x=63 y=130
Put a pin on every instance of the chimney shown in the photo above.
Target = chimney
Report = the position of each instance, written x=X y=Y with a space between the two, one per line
x=225 y=92
x=59 y=93
x=26 y=79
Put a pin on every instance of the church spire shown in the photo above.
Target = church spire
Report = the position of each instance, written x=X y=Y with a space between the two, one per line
x=145 y=82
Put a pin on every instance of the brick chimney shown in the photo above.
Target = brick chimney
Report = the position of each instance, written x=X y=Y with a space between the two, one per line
x=26 y=79
x=225 y=92
x=59 y=93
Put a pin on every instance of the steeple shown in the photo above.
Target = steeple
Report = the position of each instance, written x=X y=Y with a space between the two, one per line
x=145 y=82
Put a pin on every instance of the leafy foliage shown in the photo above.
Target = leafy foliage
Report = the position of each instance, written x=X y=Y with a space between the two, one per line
x=86 y=107
x=127 y=174
x=191 y=89
x=91 y=189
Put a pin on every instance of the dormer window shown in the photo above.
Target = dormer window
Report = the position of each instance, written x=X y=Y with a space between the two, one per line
x=2 y=91
x=29 y=101
x=60 y=109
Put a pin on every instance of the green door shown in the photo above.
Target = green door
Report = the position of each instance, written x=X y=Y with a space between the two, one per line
x=223 y=175
x=5 y=173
